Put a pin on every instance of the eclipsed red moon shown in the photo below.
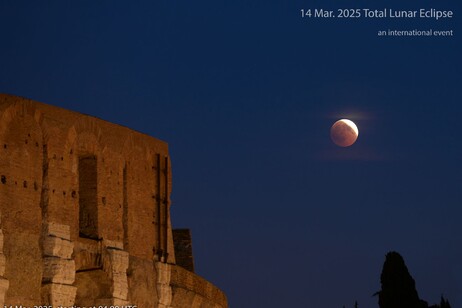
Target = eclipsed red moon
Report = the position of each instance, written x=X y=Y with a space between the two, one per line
x=344 y=133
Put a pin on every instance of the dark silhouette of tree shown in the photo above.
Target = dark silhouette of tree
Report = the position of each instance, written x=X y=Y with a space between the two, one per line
x=444 y=303
x=398 y=286
x=356 y=304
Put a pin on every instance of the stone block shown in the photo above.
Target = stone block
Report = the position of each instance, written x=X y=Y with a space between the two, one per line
x=113 y=244
x=87 y=255
x=4 y=284
x=120 y=286
x=1 y=240
x=58 y=230
x=58 y=295
x=2 y=264
x=115 y=261
x=163 y=273
x=164 y=291
x=57 y=247
x=58 y=270
x=120 y=302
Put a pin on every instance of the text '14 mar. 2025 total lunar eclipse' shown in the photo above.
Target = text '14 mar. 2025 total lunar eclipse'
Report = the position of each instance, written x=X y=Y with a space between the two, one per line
x=344 y=133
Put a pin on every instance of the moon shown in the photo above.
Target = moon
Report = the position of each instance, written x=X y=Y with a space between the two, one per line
x=344 y=133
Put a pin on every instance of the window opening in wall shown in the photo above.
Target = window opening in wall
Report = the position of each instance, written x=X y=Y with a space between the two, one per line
x=88 y=201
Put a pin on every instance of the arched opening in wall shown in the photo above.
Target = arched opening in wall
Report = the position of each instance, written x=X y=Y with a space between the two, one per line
x=88 y=199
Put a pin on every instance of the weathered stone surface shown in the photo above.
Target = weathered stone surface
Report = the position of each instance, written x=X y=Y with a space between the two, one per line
x=142 y=294
x=2 y=264
x=187 y=284
x=120 y=302
x=24 y=268
x=164 y=291
x=115 y=261
x=163 y=273
x=113 y=244
x=58 y=270
x=185 y=298
x=58 y=295
x=102 y=302
x=91 y=286
x=57 y=247
x=58 y=230
x=106 y=302
x=4 y=284
x=87 y=255
x=48 y=192
x=110 y=302
x=120 y=286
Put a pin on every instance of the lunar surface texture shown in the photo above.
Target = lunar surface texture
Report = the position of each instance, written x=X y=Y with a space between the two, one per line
x=344 y=133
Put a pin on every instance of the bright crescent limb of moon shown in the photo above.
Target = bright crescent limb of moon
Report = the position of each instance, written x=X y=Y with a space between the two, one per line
x=352 y=125
x=344 y=133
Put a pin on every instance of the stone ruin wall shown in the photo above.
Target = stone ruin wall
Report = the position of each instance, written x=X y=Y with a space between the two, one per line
x=84 y=210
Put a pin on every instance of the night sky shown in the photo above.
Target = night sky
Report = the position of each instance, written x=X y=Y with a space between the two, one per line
x=245 y=93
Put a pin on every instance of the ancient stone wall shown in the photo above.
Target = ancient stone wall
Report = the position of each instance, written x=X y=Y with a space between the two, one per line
x=190 y=290
x=84 y=210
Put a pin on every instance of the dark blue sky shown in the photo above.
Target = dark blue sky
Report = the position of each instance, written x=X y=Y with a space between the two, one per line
x=245 y=94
